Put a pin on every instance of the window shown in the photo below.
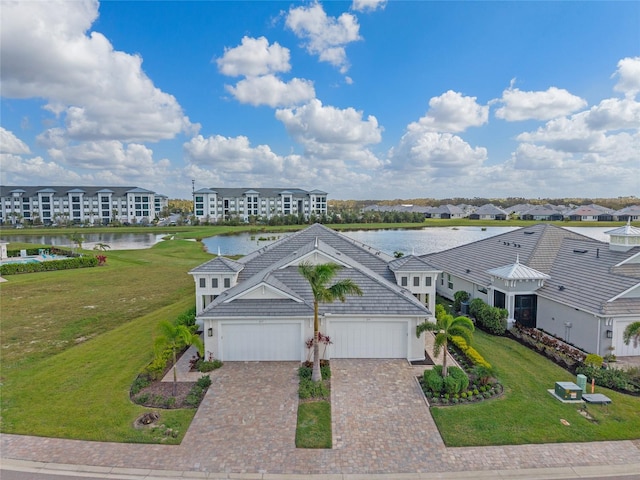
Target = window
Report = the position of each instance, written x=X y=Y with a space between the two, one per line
x=227 y=283
x=449 y=281
x=442 y=279
x=404 y=281
x=416 y=281
x=203 y=282
x=214 y=282
x=427 y=281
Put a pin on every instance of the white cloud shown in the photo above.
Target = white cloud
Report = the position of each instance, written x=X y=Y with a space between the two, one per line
x=628 y=74
x=269 y=90
x=254 y=57
x=541 y=105
x=100 y=93
x=452 y=112
x=570 y=134
x=368 y=5
x=535 y=157
x=614 y=114
x=9 y=143
x=330 y=133
x=231 y=155
x=34 y=171
x=441 y=154
x=324 y=36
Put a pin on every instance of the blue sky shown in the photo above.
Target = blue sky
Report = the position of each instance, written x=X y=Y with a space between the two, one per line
x=364 y=100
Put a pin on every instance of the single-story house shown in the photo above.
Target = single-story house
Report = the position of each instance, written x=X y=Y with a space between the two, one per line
x=579 y=289
x=447 y=211
x=260 y=308
x=590 y=213
x=489 y=212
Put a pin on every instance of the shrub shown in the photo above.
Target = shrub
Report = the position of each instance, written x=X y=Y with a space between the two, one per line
x=458 y=298
x=204 y=382
x=611 y=378
x=310 y=389
x=205 y=366
x=433 y=379
x=593 y=360
x=187 y=318
x=48 y=266
x=158 y=366
x=141 y=381
x=475 y=306
x=461 y=379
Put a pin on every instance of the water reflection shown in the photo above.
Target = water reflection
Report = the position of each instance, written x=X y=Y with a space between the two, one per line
x=417 y=242
x=116 y=241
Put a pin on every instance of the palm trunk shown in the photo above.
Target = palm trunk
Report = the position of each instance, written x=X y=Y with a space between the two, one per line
x=316 y=374
x=444 y=360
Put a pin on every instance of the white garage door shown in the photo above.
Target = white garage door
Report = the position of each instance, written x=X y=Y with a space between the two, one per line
x=261 y=341
x=370 y=339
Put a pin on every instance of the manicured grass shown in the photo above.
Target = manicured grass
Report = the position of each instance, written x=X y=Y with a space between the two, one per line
x=73 y=342
x=83 y=392
x=47 y=312
x=527 y=413
x=314 y=425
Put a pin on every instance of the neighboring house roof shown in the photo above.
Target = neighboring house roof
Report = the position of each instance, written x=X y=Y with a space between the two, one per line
x=450 y=209
x=410 y=263
x=489 y=209
x=64 y=190
x=275 y=267
x=219 y=265
x=582 y=272
x=589 y=210
x=630 y=210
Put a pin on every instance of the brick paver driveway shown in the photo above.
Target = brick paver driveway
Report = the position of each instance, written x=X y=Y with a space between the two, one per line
x=246 y=424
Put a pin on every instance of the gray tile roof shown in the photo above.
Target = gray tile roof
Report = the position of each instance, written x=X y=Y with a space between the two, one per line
x=264 y=192
x=276 y=266
x=63 y=190
x=585 y=268
x=218 y=265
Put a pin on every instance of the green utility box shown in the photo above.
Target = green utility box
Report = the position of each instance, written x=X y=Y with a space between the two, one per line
x=568 y=391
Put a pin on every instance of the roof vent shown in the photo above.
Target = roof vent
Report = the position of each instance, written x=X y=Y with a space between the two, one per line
x=468 y=271
x=577 y=250
x=529 y=233
x=561 y=288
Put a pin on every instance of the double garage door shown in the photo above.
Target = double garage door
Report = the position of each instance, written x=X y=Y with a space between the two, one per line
x=284 y=341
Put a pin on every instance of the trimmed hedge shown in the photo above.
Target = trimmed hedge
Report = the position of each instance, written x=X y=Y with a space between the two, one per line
x=490 y=319
x=470 y=352
x=48 y=266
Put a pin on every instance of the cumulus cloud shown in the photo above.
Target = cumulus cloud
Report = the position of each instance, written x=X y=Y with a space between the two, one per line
x=614 y=114
x=452 y=112
x=441 y=154
x=331 y=133
x=271 y=91
x=253 y=57
x=99 y=92
x=535 y=157
x=541 y=105
x=35 y=171
x=628 y=74
x=9 y=143
x=324 y=36
x=368 y=5
x=233 y=155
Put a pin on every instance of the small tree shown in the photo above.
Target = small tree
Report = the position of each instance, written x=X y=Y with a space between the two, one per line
x=446 y=327
x=318 y=277
x=176 y=337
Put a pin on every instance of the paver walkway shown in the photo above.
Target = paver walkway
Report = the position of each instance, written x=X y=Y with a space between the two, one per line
x=246 y=424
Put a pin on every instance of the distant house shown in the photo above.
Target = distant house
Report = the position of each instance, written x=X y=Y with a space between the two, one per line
x=577 y=288
x=489 y=212
x=590 y=213
x=627 y=213
x=447 y=211
x=260 y=307
x=542 y=213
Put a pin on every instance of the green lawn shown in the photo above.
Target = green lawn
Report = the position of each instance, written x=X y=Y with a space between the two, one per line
x=314 y=425
x=527 y=413
x=74 y=340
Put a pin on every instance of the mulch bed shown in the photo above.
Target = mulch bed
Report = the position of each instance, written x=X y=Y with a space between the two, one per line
x=427 y=360
x=160 y=392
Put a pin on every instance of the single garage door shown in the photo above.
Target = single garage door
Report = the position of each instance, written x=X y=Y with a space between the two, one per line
x=369 y=339
x=261 y=341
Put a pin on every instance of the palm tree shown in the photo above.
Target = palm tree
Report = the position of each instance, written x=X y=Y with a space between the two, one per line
x=318 y=277
x=176 y=337
x=632 y=332
x=446 y=327
x=102 y=246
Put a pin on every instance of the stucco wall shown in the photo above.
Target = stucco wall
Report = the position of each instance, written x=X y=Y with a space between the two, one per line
x=583 y=333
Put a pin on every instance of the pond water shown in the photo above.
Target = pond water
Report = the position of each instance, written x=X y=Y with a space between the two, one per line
x=412 y=241
x=116 y=241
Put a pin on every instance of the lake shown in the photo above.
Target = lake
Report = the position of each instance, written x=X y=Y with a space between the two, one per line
x=412 y=241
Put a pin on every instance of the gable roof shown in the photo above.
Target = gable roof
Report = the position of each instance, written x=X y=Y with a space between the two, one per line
x=276 y=267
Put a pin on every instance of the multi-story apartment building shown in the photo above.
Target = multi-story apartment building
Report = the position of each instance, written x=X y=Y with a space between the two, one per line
x=219 y=204
x=94 y=205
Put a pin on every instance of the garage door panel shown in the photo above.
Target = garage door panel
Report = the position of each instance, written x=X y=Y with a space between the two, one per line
x=354 y=339
x=261 y=341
